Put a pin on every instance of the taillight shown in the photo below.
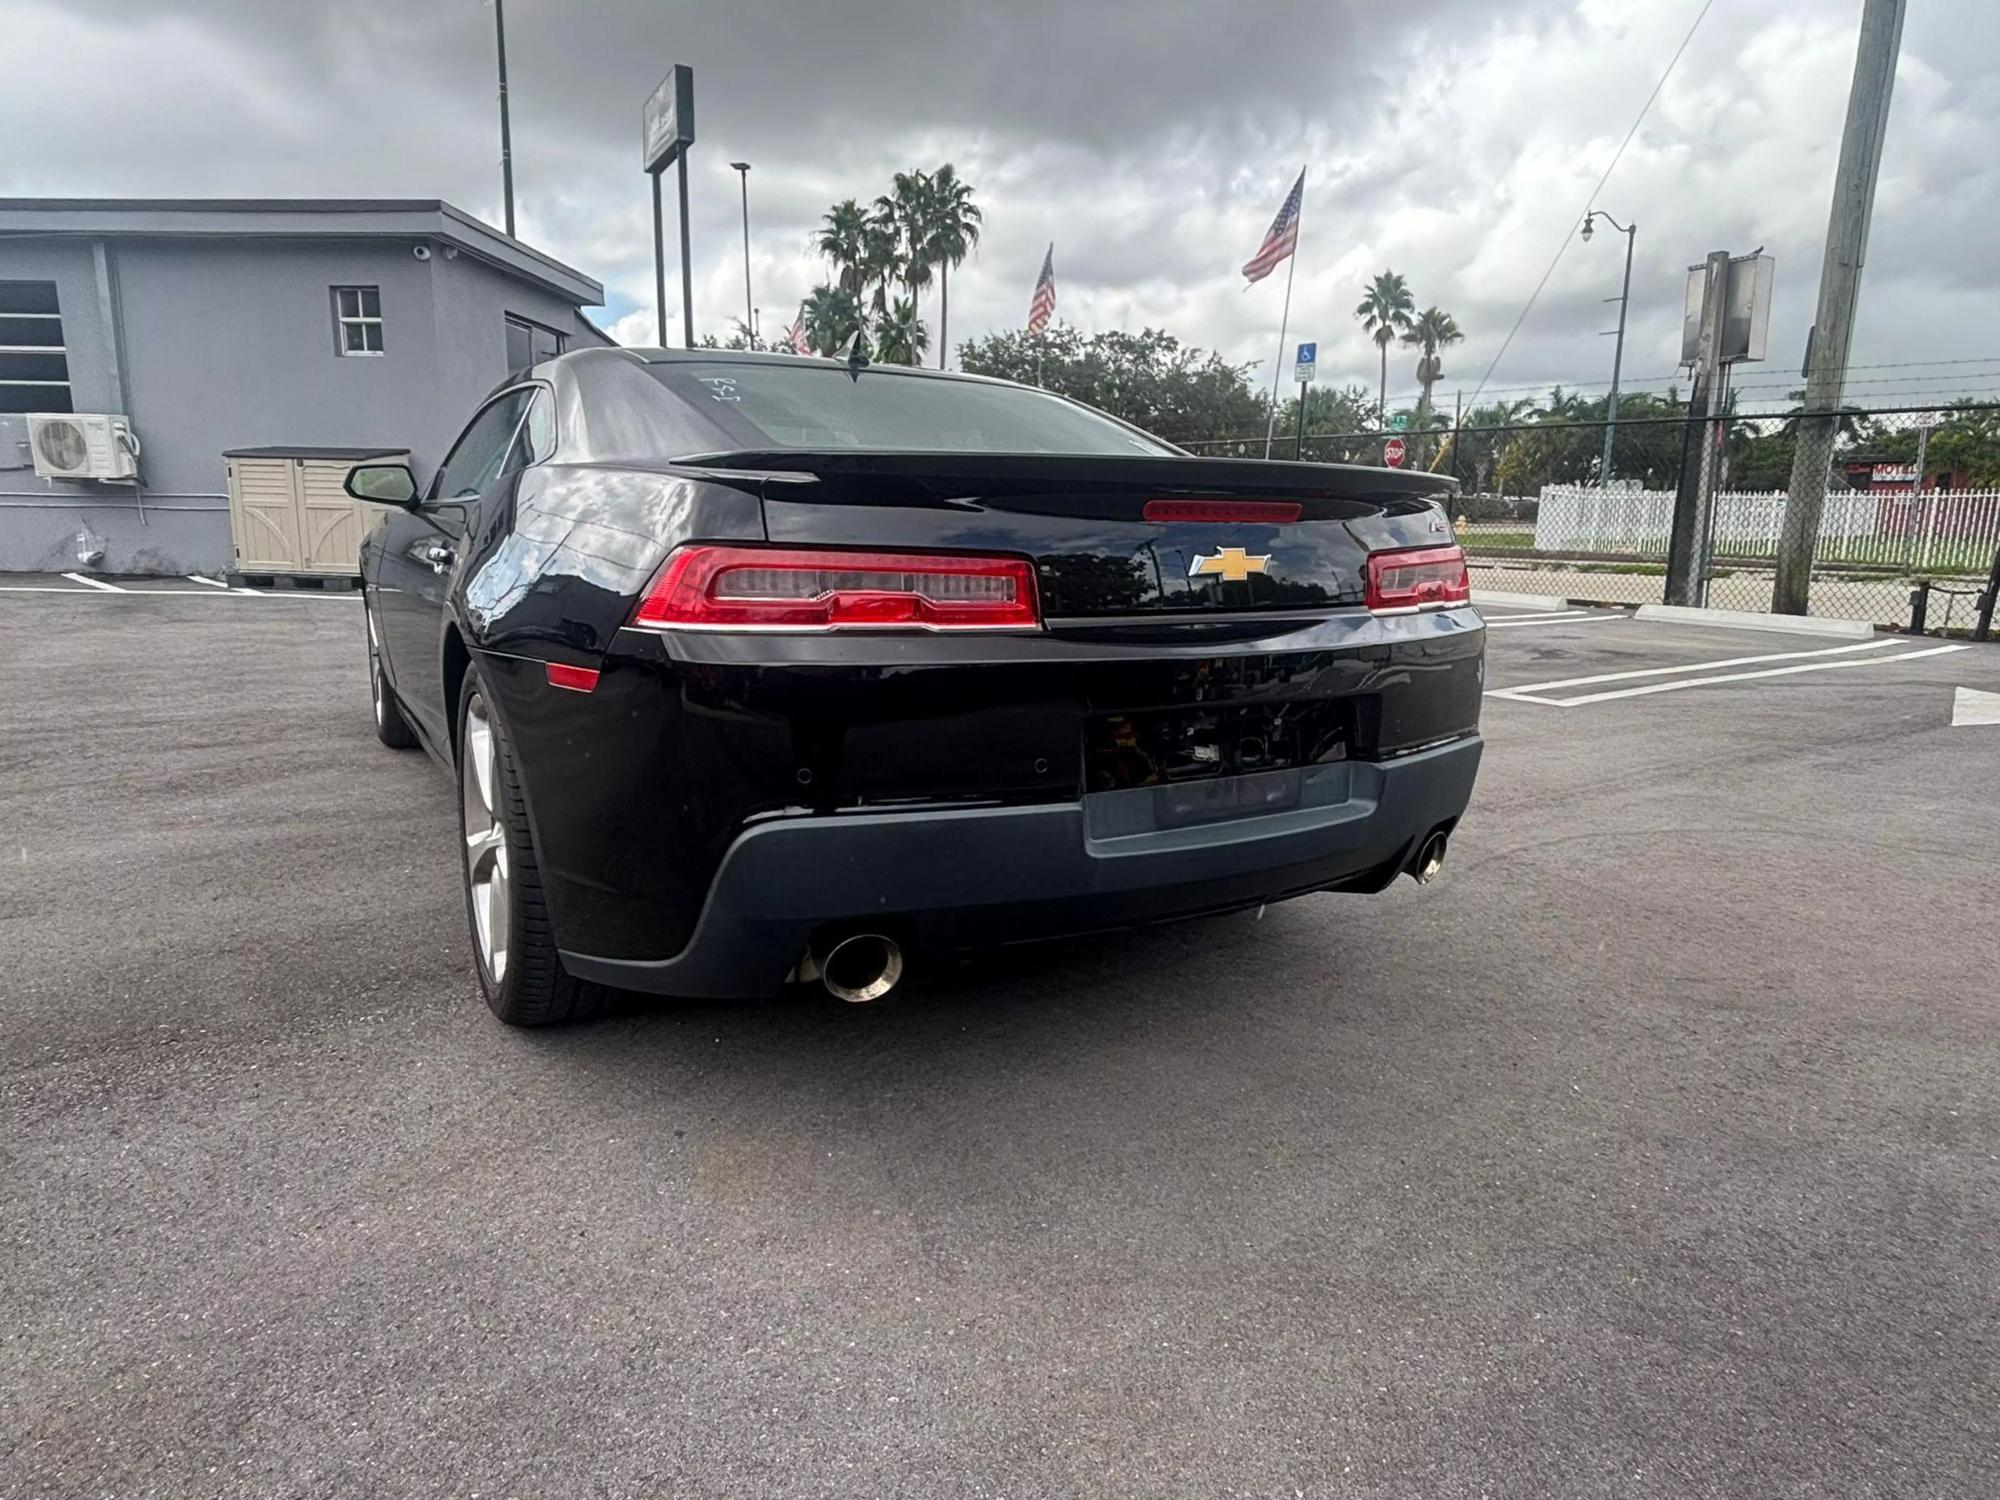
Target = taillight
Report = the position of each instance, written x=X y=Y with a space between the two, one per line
x=1421 y=578
x=771 y=588
x=1224 y=511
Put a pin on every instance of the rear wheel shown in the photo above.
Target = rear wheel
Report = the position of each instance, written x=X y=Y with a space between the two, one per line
x=513 y=942
x=390 y=727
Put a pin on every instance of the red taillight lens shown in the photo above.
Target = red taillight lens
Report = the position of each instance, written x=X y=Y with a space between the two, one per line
x=576 y=679
x=1421 y=578
x=770 y=588
x=1223 y=511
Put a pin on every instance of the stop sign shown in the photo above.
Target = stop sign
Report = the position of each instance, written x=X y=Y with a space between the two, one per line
x=1392 y=453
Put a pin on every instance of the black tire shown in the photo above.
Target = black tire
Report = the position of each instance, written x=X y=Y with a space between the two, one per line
x=532 y=988
x=391 y=728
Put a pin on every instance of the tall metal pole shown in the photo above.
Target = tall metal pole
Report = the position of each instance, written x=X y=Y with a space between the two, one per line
x=687 y=262
x=1284 y=320
x=1299 y=446
x=1618 y=351
x=506 y=134
x=659 y=261
x=1839 y=291
x=749 y=312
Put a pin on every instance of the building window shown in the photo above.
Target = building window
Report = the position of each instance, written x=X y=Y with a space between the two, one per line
x=530 y=343
x=34 y=365
x=357 y=317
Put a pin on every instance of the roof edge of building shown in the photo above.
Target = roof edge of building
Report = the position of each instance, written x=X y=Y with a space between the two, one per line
x=306 y=218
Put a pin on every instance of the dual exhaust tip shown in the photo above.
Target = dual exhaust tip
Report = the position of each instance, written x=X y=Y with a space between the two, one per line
x=858 y=968
x=865 y=966
x=1429 y=862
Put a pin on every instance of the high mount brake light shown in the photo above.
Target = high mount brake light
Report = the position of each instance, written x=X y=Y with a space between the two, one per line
x=706 y=587
x=1224 y=511
x=1418 y=578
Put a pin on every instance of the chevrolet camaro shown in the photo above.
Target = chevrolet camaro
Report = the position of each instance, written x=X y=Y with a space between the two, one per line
x=752 y=668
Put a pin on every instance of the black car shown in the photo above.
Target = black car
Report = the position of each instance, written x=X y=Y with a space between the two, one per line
x=756 y=668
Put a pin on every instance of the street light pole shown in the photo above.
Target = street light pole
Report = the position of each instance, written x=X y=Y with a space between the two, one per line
x=1618 y=352
x=506 y=136
x=749 y=312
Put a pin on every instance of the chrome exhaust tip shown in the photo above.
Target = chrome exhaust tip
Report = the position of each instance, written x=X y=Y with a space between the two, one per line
x=862 y=967
x=1429 y=862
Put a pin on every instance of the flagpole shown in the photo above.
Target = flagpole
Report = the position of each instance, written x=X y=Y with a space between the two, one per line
x=1285 y=318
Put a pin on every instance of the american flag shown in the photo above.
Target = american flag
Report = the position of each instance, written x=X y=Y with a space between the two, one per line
x=1283 y=237
x=1042 y=306
x=796 y=334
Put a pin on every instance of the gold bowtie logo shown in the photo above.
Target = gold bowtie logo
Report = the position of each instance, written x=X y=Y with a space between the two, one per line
x=1230 y=564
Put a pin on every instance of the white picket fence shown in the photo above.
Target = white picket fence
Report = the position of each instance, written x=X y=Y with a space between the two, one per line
x=1939 y=529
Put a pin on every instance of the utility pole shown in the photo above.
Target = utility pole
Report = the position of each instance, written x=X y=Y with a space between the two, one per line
x=1686 y=542
x=1839 y=290
x=742 y=169
x=1630 y=231
x=506 y=135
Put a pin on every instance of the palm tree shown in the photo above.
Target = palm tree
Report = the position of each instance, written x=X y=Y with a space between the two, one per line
x=1385 y=311
x=900 y=336
x=1431 y=330
x=881 y=255
x=908 y=209
x=951 y=232
x=843 y=239
x=833 y=316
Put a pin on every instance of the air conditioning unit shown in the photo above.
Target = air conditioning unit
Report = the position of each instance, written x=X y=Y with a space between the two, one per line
x=83 y=445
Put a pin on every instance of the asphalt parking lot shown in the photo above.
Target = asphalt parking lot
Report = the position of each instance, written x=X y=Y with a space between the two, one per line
x=1655 y=1151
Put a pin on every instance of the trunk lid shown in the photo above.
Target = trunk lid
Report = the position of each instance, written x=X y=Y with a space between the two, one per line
x=1112 y=537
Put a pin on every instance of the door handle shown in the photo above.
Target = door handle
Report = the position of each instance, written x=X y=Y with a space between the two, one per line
x=439 y=556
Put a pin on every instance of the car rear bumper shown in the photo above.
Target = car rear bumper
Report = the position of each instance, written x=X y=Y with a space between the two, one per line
x=980 y=876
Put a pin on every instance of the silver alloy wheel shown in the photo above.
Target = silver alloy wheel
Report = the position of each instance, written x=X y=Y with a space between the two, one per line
x=485 y=839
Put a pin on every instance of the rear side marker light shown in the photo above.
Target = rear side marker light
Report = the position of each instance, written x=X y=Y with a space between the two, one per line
x=1418 y=578
x=773 y=588
x=576 y=679
x=1224 y=511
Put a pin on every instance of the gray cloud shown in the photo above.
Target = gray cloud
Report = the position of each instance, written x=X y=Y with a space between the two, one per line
x=1151 y=142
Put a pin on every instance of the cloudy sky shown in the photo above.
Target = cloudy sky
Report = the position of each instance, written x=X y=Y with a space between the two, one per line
x=1453 y=140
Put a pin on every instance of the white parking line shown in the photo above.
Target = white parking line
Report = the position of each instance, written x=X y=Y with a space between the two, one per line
x=1554 y=620
x=1532 y=693
x=214 y=583
x=227 y=593
x=1698 y=666
x=1523 y=617
x=96 y=583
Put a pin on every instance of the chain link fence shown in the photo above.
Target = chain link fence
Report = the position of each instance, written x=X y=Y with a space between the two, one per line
x=1855 y=514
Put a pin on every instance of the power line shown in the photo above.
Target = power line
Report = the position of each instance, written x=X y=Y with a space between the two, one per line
x=1568 y=230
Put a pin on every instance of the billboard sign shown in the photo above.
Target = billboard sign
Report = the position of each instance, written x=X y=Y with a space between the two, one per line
x=669 y=118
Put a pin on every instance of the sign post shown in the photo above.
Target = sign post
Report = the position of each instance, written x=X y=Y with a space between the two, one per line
x=1308 y=356
x=668 y=132
x=1394 y=452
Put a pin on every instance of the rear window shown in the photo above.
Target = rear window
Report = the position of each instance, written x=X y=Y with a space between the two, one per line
x=822 y=407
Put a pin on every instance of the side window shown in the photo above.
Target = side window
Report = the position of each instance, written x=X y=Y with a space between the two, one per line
x=538 y=433
x=477 y=459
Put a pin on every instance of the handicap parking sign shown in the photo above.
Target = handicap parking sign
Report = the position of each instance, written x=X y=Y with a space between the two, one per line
x=1307 y=358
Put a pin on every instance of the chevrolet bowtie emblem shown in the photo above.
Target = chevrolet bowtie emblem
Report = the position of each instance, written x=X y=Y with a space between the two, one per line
x=1230 y=564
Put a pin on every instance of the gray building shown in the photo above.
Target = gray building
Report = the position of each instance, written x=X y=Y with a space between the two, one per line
x=219 y=326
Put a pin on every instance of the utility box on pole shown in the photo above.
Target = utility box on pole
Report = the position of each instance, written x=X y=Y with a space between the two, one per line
x=1687 y=538
x=1839 y=291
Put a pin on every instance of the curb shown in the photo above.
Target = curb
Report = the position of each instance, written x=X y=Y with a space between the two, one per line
x=1740 y=619
x=1530 y=601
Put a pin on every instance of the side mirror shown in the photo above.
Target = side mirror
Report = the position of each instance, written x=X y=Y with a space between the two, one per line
x=383 y=484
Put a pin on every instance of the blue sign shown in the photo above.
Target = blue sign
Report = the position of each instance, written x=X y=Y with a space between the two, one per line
x=1307 y=358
